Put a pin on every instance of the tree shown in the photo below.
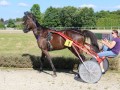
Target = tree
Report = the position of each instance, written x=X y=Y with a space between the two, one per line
x=52 y=17
x=18 y=19
x=101 y=14
x=36 y=12
x=116 y=12
x=108 y=19
x=2 y=20
x=67 y=16
x=2 y=23
x=11 y=23
x=86 y=17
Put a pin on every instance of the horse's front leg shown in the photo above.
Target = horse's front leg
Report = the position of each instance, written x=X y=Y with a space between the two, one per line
x=51 y=63
x=42 y=61
x=42 y=43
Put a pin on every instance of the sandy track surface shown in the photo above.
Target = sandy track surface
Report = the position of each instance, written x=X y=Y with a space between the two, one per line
x=11 y=79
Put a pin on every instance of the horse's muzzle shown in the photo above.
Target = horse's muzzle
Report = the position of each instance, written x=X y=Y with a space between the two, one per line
x=25 y=30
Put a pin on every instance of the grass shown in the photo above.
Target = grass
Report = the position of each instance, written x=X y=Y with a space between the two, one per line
x=14 y=45
x=17 y=43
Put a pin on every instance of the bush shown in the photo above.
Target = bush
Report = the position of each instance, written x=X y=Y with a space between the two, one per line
x=2 y=25
x=31 y=61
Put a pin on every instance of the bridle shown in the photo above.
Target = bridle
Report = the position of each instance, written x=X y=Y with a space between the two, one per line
x=34 y=29
x=33 y=22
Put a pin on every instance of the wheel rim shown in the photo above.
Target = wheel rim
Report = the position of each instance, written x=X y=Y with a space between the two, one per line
x=93 y=74
x=105 y=64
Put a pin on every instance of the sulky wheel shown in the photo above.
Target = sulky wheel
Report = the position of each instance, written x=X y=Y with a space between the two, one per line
x=90 y=71
x=105 y=63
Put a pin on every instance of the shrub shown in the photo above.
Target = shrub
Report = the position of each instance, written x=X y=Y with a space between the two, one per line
x=32 y=61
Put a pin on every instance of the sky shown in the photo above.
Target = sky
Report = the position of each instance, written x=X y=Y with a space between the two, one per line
x=16 y=8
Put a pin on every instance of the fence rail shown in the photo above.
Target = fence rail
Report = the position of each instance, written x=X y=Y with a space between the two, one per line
x=83 y=28
x=89 y=28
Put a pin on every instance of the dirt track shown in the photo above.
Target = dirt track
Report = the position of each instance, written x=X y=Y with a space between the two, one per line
x=11 y=79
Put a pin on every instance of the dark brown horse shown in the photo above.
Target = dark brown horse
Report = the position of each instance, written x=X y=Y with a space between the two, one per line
x=48 y=41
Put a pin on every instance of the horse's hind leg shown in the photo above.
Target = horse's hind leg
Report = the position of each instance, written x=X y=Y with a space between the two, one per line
x=49 y=59
x=80 y=53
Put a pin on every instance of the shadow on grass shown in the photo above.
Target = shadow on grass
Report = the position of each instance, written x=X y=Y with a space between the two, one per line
x=62 y=64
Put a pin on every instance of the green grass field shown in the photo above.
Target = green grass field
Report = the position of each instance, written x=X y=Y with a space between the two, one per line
x=14 y=45
x=20 y=43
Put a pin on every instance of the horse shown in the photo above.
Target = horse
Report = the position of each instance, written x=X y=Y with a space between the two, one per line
x=48 y=41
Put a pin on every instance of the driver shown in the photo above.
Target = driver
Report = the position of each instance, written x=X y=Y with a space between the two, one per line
x=110 y=49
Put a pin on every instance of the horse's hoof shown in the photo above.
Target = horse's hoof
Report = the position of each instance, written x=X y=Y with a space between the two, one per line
x=54 y=75
x=41 y=70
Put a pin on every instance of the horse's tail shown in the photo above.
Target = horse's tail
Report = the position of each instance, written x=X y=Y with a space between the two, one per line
x=93 y=39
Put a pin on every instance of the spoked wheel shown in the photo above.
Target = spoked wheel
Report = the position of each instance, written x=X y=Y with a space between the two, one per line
x=90 y=71
x=105 y=63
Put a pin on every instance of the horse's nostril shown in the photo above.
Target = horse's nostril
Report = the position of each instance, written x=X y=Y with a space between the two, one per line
x=25 y=31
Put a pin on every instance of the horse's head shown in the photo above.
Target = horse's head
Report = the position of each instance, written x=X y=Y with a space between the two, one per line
x=29 y=22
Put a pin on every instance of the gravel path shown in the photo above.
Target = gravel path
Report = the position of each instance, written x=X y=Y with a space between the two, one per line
x=11 y=79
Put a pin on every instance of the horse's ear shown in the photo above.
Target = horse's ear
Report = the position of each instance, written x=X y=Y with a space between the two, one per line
x=26 y=13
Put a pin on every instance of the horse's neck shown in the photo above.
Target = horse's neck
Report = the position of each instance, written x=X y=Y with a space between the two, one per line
x=35 y=34
x=37 y=29
x=39 y=32
x=38 y=25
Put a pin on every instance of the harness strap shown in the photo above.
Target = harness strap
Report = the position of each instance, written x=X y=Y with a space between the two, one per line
x=49 y=37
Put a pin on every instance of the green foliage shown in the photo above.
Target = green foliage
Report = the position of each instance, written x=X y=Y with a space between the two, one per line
x=102 y=14
x=67 y=15
x=19 y=23
x=109 y=20
x=11 y=23
x=80 y=17
x=19 y=26
x=2 y=25
x=36 y=12
x=2 y=20
x=51 y=17
x=87 y=17
x=70 y=16
x=18 y=19
x=116 y=12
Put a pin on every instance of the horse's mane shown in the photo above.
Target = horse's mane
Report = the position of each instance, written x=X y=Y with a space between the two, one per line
x=32 y=16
